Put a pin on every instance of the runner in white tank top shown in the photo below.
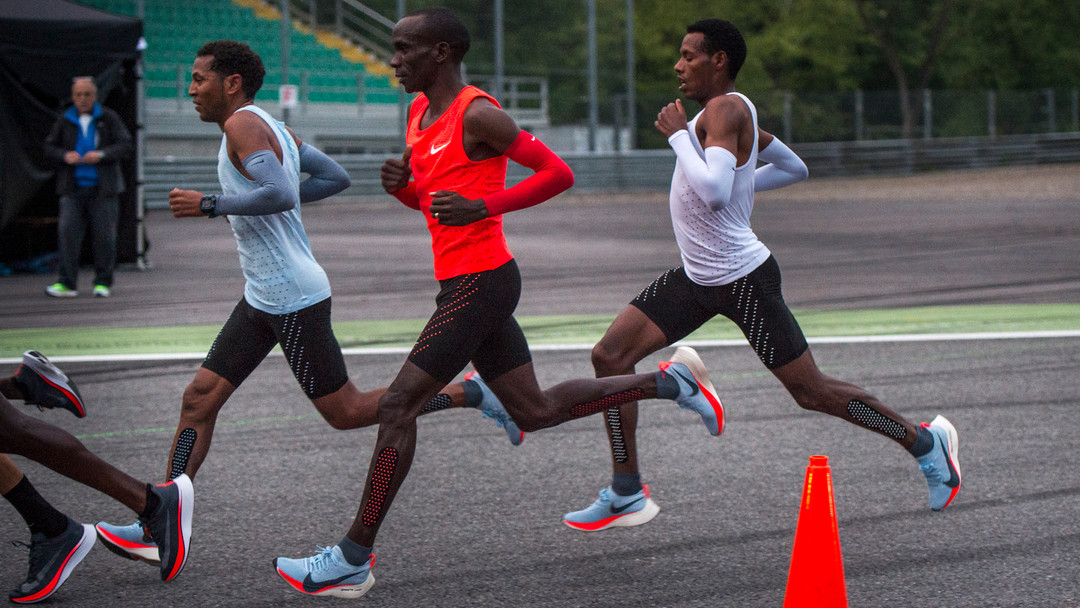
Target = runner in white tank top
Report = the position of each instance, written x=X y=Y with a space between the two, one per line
x=717 y=246
x=728 y=271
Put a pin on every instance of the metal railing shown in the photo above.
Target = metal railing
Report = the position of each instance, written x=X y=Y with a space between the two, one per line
x=523 y=96
x=352 y=20
x=356 y=92
x=650 y=170
x=875 y=115
x=526 y=98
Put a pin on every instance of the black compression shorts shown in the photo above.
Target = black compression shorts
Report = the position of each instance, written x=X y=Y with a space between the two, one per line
x=755 y=303
x=474 y=321
x=305 y=336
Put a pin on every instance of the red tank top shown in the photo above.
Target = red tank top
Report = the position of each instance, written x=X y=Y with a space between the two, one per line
x=439 y=162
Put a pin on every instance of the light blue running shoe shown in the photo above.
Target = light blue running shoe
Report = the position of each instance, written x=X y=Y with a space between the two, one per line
x=696 y=392
x=327 y=573
x=491 y=407
x=941 y=465
x=614 y=511
x=129 y=542
x=171 y=522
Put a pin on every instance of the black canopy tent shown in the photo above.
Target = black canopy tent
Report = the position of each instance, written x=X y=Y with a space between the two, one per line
x=43 y=44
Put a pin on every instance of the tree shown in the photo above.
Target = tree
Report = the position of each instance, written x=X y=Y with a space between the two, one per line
x=910 y=35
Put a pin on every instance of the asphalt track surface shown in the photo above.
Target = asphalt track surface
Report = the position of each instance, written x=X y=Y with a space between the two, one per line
x=477 y=523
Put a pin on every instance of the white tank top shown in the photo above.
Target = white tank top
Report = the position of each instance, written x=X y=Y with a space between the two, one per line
x=281 y=274
x=717 y=247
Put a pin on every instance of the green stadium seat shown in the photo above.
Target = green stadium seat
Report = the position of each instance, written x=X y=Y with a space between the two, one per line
x=174 y=31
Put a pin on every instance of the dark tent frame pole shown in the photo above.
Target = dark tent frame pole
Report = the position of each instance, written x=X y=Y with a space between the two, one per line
x=140 y=149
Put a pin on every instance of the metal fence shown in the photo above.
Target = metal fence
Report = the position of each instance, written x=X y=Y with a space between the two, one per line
x=526 y=97
x=646 y=170
x=876 y=115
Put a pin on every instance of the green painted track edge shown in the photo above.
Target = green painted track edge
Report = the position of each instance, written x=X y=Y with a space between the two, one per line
x=558 y=329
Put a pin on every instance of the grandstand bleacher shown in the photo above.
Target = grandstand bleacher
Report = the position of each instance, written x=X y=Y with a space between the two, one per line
x=174 y=31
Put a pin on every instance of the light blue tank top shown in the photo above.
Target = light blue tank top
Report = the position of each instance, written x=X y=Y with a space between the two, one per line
x=281 y=273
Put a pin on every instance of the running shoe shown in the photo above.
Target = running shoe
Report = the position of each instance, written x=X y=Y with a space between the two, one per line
x=170 y=524
x=59 y=290
x=102 y=291
x=47 y=386
x=941 y=464
x=696 y=393
x=327 y=573
x=129 y=542
x=614 y=511
x=52 y=560
x=491 y=407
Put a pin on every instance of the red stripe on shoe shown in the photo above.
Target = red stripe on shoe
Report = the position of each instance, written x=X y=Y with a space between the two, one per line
x=593 y=525
x=120 y=542
x=53 y=584
x=299 y=586
x=178 y=565
x=71 y=396
x=717 y=406
x=955 y=469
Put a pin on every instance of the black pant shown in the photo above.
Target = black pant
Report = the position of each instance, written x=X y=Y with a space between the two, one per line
x=83 y=209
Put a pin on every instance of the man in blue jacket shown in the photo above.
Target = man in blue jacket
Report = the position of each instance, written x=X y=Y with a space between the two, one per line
x=88 y=144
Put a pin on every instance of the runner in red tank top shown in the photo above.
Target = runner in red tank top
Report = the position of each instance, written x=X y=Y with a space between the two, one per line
x=454 y=172
x=439 y=162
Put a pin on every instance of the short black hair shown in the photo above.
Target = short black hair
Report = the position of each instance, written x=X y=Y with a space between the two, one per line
x=232 y=57
x=443 y=25
x=722 y=35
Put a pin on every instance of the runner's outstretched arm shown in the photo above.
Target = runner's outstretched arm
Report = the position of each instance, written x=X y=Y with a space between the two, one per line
x=784 y=167
x=551 y=176
x=325 y=177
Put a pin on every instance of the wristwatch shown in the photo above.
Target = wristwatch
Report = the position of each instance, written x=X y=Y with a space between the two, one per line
x=208 y=204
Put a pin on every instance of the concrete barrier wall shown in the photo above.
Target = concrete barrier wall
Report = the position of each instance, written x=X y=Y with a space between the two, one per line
x=651 y=169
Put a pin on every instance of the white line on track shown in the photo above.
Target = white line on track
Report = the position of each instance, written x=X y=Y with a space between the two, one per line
x=398 y=350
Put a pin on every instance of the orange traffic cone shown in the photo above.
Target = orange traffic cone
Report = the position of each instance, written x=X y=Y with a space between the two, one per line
x=816 y=577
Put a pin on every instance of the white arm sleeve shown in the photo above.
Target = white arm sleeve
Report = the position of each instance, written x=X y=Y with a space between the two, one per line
x=710 y=178
x=783 y=169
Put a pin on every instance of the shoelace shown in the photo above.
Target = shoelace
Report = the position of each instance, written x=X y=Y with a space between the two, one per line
x=36 y=557
x=323 y=559
x=500 y=420
x=931 y=471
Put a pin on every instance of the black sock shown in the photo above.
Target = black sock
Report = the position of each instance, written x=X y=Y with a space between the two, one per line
x=152 y=503
x=354 y=554
x=473 y=393
x=626 y=484
x=667 y=387
x=40 y=516
x=924 y=442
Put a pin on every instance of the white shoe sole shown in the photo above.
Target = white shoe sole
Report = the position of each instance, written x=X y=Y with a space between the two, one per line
x=351 y=591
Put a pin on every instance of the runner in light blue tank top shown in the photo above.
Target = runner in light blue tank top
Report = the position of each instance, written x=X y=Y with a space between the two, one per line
x=282 y=275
